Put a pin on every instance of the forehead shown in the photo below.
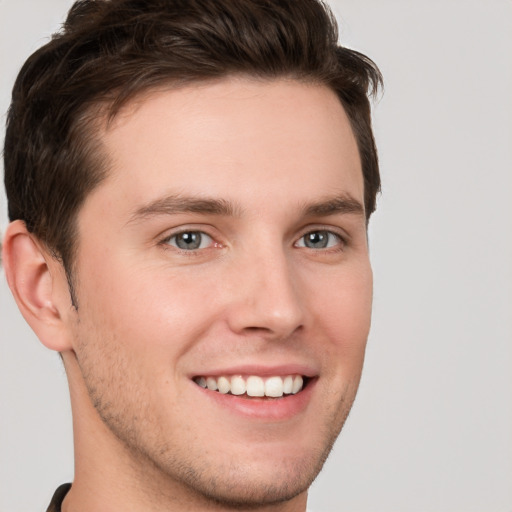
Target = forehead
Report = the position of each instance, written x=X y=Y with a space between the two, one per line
x=234 y=137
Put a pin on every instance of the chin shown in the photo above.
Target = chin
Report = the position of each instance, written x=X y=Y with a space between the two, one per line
x=247 y=487
x=249 y=478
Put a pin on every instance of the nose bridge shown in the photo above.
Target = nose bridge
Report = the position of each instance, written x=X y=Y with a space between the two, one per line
x=267 y=296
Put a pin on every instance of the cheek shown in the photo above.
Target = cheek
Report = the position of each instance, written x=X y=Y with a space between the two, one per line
x=345 y=316
x=146 y=307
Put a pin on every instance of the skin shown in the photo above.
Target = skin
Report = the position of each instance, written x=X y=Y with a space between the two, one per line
x=152 y=316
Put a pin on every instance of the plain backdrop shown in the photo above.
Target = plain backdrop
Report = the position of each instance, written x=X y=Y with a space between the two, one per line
x=431 y=430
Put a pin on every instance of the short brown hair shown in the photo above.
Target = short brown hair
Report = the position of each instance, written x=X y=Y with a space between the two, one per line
x=110 y=50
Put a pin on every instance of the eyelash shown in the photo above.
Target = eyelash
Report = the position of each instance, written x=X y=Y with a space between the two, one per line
x=165 y=242
x=338 y=247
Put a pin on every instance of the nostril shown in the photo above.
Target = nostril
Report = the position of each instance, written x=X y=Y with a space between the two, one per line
x=257 y=329
x=272 y=333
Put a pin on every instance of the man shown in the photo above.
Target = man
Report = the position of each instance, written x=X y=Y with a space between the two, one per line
x=189 y=186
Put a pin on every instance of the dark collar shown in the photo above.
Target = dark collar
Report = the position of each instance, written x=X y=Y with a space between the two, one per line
x=58 y=498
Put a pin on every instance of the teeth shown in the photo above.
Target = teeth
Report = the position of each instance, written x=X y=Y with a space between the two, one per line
x=274 y=387
x=237 y=385
x=224 y=385
x=211 y=383
x=253 y=385
x=288 y=385
x=297 y=384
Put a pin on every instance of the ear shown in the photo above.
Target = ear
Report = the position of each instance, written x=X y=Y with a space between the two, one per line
x=38 y=283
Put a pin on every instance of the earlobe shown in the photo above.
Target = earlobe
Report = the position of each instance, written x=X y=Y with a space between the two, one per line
x=34 y=282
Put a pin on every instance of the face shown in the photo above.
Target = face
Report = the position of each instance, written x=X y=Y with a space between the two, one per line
x=224 y=287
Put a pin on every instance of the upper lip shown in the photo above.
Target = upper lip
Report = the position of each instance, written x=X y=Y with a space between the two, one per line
x=260 y=370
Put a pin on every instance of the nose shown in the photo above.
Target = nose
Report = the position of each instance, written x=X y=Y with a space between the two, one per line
x=265 y=296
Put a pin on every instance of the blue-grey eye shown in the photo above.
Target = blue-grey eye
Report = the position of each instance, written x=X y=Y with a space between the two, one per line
x=321 y=239
x=190 y=240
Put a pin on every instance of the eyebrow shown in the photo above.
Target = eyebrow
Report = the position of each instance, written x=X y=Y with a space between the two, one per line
x=341 y=204
x=173 y=204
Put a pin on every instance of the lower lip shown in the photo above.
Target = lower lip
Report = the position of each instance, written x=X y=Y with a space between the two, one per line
x=270 y=409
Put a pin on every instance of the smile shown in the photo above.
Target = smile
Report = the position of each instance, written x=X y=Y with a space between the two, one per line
x=253 y=385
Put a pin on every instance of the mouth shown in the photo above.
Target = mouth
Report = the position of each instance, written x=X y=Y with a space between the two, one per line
x=254 y=386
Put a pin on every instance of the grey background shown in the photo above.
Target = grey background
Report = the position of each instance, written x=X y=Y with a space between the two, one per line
x=432 y=426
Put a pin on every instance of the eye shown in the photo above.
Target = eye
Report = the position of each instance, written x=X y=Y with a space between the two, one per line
x=190 y=240
x=320 y=239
